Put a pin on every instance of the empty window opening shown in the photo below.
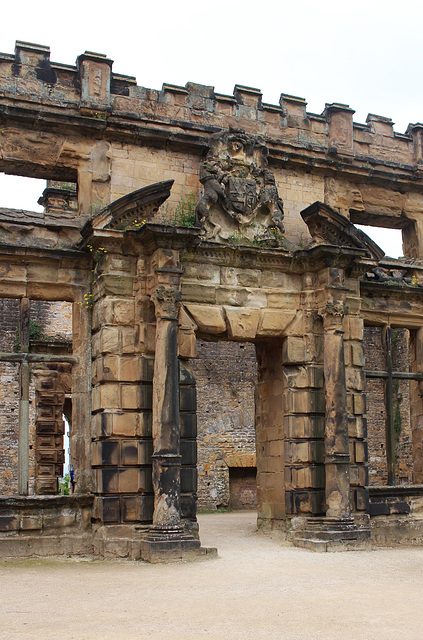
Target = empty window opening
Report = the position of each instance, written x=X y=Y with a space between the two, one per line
x=389 y=240
x=36 y=386
x=390 y=385
x=21 y=193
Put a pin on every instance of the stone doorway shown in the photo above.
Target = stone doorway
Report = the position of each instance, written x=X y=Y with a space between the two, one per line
x=242 y=488
x=226 y=378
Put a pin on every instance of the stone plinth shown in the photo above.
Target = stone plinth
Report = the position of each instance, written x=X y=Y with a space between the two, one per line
x=333 y=534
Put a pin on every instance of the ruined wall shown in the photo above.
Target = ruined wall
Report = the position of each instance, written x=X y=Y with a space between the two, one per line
x=51 y=321
x=375 y=354
x=155 y=135
x=226 y=375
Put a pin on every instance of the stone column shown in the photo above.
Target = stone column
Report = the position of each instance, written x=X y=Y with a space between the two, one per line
x=166 y=455
x=166 y=539
x=337 y=458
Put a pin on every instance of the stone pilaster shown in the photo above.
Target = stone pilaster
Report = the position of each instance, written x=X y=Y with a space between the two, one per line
x=337 y=458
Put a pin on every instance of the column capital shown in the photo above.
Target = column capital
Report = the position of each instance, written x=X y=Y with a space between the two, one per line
x=167 y=301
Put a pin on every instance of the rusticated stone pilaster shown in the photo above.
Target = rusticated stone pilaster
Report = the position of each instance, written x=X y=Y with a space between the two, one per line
x=337 y=457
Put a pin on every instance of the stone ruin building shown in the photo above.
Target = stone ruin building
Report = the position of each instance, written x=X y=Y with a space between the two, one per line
x=200 y=249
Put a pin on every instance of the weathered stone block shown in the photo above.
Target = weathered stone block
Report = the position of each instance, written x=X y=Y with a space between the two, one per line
x=9 y=523
x=130 y=369
x=144 y=427
x=131 y=396
x=189 y=452
x=187 y=399
x=356 y=328
x=209 y=319
x=128 y=339
x=360 y=452
x=128 y=480
x=310 y=401
x=31 y=523
x=128 y=452
x=188 y=480
x=144 y=452
x=193 y=292
x=188 y=425
x=123 y=312
x=275 y=322
x=110 y=341
x=109 y=396
x=242 y=322
x=105 y=453
x=357 y=351
x=293 y=350
x=109 y=509
x=359 y=403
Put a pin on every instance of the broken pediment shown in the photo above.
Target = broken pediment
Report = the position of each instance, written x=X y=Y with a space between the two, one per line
x=327 y=226
x=131 y=210
x=240 y=196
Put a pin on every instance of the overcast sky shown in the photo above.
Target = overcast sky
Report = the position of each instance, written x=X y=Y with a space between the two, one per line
x=367 y=54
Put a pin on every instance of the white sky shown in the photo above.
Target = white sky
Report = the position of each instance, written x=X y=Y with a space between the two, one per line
x=367 y=54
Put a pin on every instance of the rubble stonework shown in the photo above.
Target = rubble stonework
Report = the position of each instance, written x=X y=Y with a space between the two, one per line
x=185 y=215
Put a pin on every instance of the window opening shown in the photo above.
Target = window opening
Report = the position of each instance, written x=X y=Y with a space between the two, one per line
x=18 y=192
x=388 y=374
x=389 y=240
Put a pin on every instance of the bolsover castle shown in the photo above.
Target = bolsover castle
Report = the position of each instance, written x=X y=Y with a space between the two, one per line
x=180 y=223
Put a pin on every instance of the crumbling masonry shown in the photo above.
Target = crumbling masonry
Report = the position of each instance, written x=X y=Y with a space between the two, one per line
x=185 y=215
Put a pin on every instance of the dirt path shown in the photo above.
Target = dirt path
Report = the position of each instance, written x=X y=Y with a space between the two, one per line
x=257 y=589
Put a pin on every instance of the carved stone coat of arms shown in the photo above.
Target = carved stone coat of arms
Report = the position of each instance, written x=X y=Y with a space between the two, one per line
x=240 y=196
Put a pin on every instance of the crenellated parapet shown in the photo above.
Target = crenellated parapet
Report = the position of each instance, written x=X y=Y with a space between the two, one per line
x=91 y=90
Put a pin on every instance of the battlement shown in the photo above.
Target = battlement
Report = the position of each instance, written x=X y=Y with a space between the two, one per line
x=93 y=90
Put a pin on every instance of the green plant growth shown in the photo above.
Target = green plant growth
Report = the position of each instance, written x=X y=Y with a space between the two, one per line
x=185 y=211
x=183 y=215
x=64 y=485
x=34 y=334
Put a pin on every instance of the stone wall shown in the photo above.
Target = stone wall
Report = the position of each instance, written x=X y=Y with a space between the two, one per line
x=226 y=375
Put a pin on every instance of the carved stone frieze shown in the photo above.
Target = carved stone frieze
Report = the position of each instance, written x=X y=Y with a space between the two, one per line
x=240 y=194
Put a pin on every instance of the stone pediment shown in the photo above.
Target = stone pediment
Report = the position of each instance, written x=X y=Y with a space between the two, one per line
x=133 y=208
x=327 y=226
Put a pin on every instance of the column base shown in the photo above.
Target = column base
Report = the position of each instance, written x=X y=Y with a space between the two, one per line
x=333 y=534
x=171 y=544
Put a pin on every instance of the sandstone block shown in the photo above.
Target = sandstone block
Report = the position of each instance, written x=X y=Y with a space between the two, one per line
x=130 y=369
x=357 y=355
x=123 y=424
x=110 y=341
x=130 y=396
x=274 y=322
x=31 y=523
x=359 y=403
x=293 y=350
x=123 y=312
x=243 y=322
x=109 y=396
x=198 y=292
x=209 y=319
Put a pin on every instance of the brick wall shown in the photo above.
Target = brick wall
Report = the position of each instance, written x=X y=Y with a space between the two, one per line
x=375 y=354
x=226 y=374
x=55 y=321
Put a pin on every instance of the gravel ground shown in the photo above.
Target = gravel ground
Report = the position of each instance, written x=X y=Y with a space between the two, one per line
x=256 y=589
